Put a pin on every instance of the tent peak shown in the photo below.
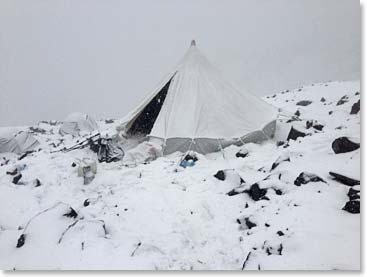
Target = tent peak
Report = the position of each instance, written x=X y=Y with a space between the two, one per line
x=193 y=42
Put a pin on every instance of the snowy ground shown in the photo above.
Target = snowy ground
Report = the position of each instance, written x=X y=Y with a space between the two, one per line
x=162 y=216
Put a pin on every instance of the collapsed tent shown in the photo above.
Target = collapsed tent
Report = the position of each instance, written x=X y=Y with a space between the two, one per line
x=77 y=123
x=194 y=108
x=17 y=143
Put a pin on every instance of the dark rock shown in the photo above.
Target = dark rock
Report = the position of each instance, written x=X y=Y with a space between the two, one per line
x=37 y=183
x=318 y=127
x=192 y=157
x=109 y=121
x=17 y=178
x=278 y=192
x=267 y=225
x=309 y=124
x=297 y=113
x=280 y=143
x=352 y=207
x=280 y=233
x=279 y=160
x=249 y=223
x=25 y=154
x=72 y=213
x=304 y=103
x=294 y=134
x=344 y=180
x=353 y=194
x=322 y=99
x=355 y=108
x=330 y=112
x=86 y=203
x=73 y=164
x=13 y=172
x=242 y=153
x=220 y=175
x=256 y=193
x=342 y=100
x=305 y=178
x=344 y=145
x=357 y=93
x=21 y=241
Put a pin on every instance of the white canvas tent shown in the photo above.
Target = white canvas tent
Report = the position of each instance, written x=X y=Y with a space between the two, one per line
x=18 y=143
x=194 y=108
x=77 y=123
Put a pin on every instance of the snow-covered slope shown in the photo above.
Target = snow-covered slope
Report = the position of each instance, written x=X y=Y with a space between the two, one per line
x=162 y=216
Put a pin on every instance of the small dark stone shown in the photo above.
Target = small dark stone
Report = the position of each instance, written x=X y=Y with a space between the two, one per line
x=352 y=207
x=305 y=178
x=278 y=191
x=304 y=103
x=21 y=241
x=267 y=225
x=344 y=180
x=246 y=206
x=330 y=112
x=297 y=113
x=318 y=127
x=86 y=203
x=322 y=99
x=357 y=93
x=256 y=193
x=125 y=209
x=280 y=143
x=344 y=145
x=38 y=183
x=355 y=108
x=189 y=157
x=242 y=153
x=12 y=173
x=220 y=175
x=72 y=213
x=280 y=233
x=249 y=223
x=294 y=134
x=280 y=249
x=17 y=178
x=342 y=100
x=73 y=164
x=238 y=221
x=309 y=124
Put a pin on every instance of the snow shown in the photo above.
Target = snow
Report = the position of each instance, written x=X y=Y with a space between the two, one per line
x=158 y=215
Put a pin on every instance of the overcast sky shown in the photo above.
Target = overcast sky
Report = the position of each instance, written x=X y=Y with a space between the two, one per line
x=103 y=57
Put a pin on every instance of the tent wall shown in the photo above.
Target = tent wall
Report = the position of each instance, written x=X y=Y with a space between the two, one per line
x=144 y=123
x=209 y=145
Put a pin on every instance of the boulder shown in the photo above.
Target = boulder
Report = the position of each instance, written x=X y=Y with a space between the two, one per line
x=344 y=145
x=352 y=207
x=220 y=175
x=256 y=193
x=294 y=134
x=344 y=179
x=306 y=177
x=17 y=178
x=355 y=108
x=322 y=99
x=353 y=194
x=242 y=153
x=342 y=100
x=304 y=103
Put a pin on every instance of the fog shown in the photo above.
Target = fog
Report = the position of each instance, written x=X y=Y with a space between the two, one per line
x=103 y=57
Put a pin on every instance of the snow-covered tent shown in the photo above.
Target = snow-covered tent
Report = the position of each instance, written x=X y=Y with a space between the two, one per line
x=17 y=143
x=194 y=108
x=77 y=123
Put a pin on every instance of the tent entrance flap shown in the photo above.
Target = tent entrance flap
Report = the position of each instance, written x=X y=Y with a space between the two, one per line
x=144 y=123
